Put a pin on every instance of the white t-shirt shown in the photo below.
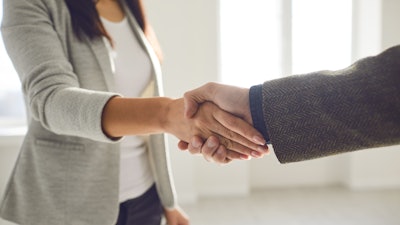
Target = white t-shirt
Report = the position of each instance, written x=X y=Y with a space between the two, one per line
x=132 y=70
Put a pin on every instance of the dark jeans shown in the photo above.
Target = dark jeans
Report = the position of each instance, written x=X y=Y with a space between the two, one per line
x=143 y=210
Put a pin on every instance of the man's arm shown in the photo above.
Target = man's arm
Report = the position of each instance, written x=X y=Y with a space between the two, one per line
x=327 y=112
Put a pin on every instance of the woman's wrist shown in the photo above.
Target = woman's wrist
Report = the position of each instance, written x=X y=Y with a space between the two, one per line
x=165 y=112
x=171 y=114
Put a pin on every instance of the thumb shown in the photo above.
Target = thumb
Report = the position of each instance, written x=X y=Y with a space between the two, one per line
x=190 y=105
x=192 y=99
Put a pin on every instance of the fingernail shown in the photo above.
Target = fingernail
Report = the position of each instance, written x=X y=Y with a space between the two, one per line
x=259 y=140
x=263 y=148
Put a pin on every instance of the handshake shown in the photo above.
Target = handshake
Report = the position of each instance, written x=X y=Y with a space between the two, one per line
x=224 y=126
x=308 y=116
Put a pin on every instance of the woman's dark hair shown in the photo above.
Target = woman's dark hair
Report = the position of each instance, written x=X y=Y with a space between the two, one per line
x=86 y=21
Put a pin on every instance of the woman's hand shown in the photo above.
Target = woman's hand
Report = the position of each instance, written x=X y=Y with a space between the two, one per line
x=176 y=216
x=236 y=135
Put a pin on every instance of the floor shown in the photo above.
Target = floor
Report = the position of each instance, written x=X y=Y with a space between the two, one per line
x=307 y=206
x=333 y=206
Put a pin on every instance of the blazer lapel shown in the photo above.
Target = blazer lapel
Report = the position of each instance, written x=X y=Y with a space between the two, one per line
x=104 y=60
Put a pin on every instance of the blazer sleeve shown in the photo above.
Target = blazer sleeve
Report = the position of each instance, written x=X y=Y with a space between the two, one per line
x=331 y=112
x=50 y=86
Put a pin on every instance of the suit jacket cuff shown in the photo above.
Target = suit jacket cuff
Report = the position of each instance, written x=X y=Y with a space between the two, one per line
x=256 y=109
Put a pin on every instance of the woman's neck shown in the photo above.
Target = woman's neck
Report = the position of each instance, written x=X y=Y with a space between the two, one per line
x=110 y=10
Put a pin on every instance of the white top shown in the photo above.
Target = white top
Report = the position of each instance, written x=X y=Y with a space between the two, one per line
x=132 y=70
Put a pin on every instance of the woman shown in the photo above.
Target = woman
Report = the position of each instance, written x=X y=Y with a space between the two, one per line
x=74 y=67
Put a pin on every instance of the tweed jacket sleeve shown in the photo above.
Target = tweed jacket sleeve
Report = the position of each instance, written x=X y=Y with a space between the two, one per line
x=331 y=112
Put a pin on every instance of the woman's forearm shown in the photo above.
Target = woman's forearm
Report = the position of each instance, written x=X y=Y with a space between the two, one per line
x=134 y=116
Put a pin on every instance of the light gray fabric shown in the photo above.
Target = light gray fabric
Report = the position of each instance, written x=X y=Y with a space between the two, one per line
x=331 y=112
x=67 y=171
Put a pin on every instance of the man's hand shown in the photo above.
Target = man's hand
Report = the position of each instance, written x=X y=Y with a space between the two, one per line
x=229 y=98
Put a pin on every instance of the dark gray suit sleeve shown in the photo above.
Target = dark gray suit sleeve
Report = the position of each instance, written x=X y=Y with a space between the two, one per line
x=331 y=112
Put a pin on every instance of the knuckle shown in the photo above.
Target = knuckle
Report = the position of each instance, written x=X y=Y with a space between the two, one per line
x=227 y=143
x=187 y=95
x=231 y=135
x=210 y=85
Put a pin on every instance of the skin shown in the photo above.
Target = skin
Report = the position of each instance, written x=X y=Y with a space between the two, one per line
x=232 y=99
x=138 y=116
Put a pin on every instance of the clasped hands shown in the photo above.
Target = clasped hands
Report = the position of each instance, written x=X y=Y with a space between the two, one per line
x=224 y=114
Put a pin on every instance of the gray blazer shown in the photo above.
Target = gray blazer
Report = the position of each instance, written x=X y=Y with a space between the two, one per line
x=67 y=171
